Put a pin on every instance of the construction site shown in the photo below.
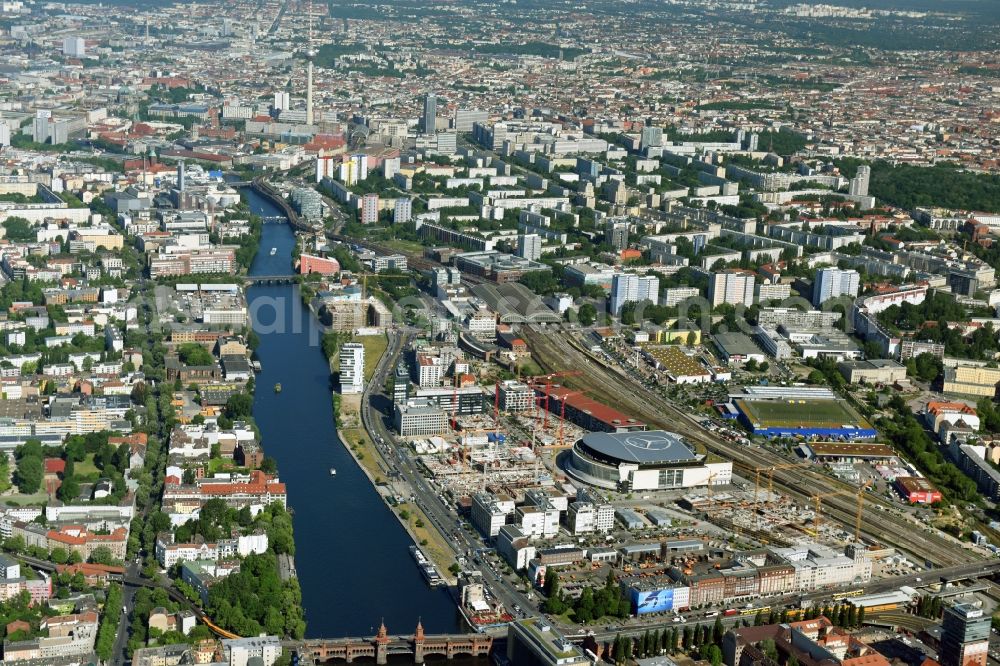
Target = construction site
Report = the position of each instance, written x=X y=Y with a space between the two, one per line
x=508 y=449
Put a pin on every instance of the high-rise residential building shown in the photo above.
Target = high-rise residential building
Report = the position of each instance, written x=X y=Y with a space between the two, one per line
x=651 y=137
x=403 y=210
x=326 y=167
x=859 y=184
x=834 y=282
x=354 y=169
x=74 y=47
x=628 y=288
x=965 y=636
x=616 y=233
x=734 y=287
x=369 y=208
x=40 y=126
x=428 y=121
x=4 y=134
x=529 y=246
x=282 y=101
x=676 y=295
x=352 y=368
x=390 y=167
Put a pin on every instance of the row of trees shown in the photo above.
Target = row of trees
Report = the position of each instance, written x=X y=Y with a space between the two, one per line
x=704 y=641
x=109 y=622
x=907 y=435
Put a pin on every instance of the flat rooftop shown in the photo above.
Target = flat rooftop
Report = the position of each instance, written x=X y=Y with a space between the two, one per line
x=834 y=449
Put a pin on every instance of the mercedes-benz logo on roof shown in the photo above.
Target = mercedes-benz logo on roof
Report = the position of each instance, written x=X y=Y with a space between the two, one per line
x=648 y=441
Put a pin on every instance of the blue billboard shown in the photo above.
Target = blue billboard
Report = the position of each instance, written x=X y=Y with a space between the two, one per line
x=652 y=601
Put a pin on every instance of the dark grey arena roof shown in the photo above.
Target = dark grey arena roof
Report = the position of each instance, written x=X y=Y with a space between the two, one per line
x=644 y=447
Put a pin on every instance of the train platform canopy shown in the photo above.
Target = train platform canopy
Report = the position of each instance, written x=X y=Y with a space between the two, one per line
x=898 y=598
x=847 y=451
x=516 y=304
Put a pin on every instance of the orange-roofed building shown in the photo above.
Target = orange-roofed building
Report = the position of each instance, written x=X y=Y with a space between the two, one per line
x=938 y=412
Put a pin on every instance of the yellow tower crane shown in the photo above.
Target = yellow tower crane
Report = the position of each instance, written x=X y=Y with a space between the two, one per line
x=859 y=496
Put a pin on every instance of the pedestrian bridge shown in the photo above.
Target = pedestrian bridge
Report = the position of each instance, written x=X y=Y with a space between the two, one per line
x=382 y=646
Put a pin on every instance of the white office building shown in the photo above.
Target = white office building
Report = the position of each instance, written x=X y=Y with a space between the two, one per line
x=489 y=513
x=352 y=368
x=604 y=512
x=242 y=650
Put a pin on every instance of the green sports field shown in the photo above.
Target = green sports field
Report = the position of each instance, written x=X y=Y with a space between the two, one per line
x=804 y=413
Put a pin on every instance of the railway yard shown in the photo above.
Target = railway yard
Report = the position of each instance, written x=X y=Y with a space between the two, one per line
x=557 y=351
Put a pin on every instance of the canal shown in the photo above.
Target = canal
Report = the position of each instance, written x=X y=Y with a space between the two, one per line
x=352 y=555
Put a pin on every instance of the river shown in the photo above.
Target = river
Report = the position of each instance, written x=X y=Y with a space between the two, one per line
x=352 y=555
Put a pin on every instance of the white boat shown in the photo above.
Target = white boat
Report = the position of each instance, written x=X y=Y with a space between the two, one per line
x=274 y=251
x=333 y=472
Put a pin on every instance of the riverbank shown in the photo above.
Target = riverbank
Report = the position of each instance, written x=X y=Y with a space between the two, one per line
x=353 y=563
x=359 y=444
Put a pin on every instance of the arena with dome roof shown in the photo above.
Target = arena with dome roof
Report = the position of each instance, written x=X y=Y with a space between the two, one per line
x=645 y=460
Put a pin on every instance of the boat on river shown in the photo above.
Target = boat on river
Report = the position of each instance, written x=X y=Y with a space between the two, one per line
x=277 y=387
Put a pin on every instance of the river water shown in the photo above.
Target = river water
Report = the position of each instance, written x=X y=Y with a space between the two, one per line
x=352 y=555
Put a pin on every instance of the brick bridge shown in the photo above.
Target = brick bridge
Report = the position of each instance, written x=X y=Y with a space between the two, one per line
x=384 y=646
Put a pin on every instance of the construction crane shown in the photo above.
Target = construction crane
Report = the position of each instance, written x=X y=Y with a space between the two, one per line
x=708 y=486
x=533 y=381
x=562 y=414
x=769 y=469
x=859 y=496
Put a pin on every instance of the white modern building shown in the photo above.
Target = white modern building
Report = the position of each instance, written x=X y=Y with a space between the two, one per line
x=489 y=513
x=352 y=368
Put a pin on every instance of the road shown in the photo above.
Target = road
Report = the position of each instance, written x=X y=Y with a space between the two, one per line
x=398 y=459
x=118 y=655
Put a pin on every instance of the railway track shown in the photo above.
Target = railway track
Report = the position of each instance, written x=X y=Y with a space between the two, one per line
x=555 y=351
